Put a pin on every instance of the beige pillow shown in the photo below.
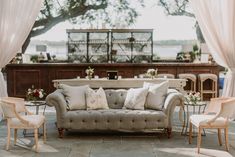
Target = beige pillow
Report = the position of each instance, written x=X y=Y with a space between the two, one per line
x=135 y=98
x=75 y=96
x=156 y=95
x=96 y=99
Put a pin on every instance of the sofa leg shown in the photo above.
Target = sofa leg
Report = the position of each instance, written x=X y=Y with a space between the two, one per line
x=61 y=132
x=168 y=131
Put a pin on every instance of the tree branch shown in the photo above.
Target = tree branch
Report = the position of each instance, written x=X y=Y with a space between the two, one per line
x=48 y=8
x=179 y=11
x=43 y=25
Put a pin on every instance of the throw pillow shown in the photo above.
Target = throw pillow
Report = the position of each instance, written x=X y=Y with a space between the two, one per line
x=75 y=96
x=135 y=98
x=156 y=95
x=96 y=99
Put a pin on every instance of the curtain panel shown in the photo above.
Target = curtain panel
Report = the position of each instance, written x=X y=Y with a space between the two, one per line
x=16 y=20
x=216 y=19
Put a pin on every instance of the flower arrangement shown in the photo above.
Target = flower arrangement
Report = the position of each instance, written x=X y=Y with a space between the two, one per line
x=34 y=94
x=193 y=98
x=152 y=72
x=89 y=72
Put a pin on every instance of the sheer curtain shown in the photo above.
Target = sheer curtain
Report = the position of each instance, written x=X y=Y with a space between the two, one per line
x=16 y=20
x=216 y=19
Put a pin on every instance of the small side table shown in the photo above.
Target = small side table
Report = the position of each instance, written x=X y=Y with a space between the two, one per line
x=35 y=104
x=198 y=108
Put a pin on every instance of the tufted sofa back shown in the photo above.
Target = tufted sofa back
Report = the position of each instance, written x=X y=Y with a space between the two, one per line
x=116 y=98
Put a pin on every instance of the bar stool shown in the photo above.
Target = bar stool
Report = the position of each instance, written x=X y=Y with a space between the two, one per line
x=171 y=76
x=191 y=83
x=204 y=77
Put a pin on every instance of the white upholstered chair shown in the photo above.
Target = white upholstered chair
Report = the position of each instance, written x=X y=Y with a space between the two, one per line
x=216 y=116
x=18 y=117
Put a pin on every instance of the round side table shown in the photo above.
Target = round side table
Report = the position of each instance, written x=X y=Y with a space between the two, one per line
x=198 y=108
x=36 y=104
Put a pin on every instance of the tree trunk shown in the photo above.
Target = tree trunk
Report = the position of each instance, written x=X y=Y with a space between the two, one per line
x=26 y=43
x=199 y=34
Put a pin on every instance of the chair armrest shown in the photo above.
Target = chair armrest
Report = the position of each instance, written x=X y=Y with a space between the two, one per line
x=9 y=110
x=57 y=100
x=172 y=100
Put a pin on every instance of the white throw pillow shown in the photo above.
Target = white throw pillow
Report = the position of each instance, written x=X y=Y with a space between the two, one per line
x=75 y=96
x=156 y=95
x=96 y=99
x=135 y=98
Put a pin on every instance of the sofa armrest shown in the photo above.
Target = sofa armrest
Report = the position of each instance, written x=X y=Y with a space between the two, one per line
x=57 y=99
x=173 y=99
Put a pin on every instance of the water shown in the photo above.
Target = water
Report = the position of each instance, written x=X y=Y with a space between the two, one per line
x=60 y=49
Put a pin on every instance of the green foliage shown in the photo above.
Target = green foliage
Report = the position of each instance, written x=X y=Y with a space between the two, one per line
x=34 y=58
x=195 y=47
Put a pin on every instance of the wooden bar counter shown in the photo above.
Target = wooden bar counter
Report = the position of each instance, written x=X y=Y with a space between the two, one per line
x=20 y=77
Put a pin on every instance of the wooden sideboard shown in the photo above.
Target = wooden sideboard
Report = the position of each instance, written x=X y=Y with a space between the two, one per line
x=20 y=77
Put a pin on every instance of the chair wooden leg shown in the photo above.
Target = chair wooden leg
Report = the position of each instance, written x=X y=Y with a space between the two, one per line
x=190 y=132
x=8 y=137
x=61 y=132
x=199 y=137
x=44 y=132
x=36 y=139
x=168 y=130
x=219 y=137
x=15 y=136
x=226 y=139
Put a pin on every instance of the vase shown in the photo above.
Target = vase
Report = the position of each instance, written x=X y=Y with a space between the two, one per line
x=89 y=77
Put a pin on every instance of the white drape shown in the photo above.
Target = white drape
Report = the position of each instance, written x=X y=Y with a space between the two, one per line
x=216 y=19
x=16 y=20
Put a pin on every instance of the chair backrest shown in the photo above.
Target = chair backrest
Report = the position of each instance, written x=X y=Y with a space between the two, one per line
x=214 y=106
x=12 y=106
x=228 y=109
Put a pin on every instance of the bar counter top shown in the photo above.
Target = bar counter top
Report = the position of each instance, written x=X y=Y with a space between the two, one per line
x=117 y=64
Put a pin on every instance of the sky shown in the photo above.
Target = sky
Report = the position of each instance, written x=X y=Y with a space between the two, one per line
x=151 y=17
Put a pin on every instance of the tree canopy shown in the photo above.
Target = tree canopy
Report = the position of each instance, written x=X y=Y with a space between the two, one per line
x=111 y=12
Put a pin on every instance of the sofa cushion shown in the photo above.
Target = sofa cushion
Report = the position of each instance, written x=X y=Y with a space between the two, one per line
x=116 y=119
x=156 y=95
x=75 y=96
x=135 y=98
x=96 y=99
x=116 y=97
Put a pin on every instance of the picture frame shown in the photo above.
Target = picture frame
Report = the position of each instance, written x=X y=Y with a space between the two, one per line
x=112 y=75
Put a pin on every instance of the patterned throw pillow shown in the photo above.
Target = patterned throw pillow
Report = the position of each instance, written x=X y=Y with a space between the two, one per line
x=135 y=98
x=96 y=99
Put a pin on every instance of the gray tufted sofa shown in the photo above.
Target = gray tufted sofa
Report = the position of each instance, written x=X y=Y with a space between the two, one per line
x=115 y=118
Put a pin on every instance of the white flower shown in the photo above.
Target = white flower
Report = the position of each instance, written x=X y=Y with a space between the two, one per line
x=40 y=95
x=193 y=97
x=151 y=72
x=89 y=71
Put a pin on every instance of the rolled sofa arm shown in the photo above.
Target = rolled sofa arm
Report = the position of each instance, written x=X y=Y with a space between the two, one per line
x=57 y=99
x=173 y=99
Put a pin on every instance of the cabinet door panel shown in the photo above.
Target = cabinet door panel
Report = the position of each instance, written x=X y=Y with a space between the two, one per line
x=24 y=79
